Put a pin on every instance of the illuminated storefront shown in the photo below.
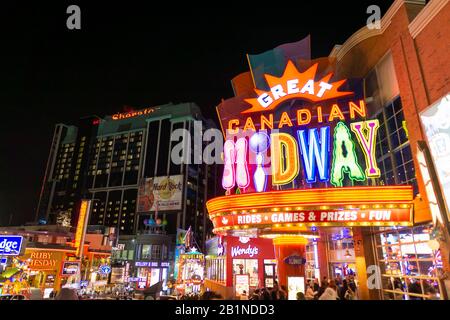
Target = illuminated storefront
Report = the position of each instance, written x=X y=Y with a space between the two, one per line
x=191 y=272
x=319 y=159
x=230 y=258
x=291 y=167
x=49 y=260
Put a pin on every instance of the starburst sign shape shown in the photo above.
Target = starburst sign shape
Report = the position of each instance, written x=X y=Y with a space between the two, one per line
x=295 y=85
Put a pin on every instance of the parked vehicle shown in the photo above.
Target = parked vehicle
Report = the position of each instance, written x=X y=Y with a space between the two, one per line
x=13 y=297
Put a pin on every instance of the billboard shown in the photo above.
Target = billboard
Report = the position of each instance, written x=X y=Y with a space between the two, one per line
x=10 y=245
x=160 y=194
x=70 y=268
x=436 y=122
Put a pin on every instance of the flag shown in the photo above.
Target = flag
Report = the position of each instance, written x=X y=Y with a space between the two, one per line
x=188 y=238
x=274 y=61
x=242 y=84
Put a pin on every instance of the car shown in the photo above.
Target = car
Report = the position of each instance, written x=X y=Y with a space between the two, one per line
x=166 y=297
x=13 y=297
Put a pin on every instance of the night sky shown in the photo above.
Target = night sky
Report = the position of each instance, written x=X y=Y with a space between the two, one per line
x=130 y=54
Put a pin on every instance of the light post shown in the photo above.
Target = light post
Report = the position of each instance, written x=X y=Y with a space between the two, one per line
x=80 y=233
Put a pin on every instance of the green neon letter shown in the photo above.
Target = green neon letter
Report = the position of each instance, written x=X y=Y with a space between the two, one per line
x=344 y=157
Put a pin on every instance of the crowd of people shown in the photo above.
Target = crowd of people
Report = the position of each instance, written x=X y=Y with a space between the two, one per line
x=333 y=289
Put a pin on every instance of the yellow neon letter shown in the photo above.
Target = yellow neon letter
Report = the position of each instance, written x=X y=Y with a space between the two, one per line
x=361 y=110
x=284 y=157
x=366 y=132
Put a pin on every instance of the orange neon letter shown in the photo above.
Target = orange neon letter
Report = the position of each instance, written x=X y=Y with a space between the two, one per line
x=300 y=119
x=249 y=124
x=231 y=124
x=335 y=112
x=361 y=110
x=268 y=122
x=284 y=120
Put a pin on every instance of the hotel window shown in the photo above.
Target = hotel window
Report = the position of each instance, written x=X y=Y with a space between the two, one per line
x=410 y=269
x=164 y=148
x=61 y=240
x=156 y=252
x=146 y=253
x=163 y=252
x=394 y=154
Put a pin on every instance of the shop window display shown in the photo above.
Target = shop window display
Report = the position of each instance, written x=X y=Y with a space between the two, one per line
x=409 y=267
x=247 y=266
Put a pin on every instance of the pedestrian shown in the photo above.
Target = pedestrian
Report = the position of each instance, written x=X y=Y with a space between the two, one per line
x=309 y=293
x=265 y=295
x=207 y=295
x=243 y=296
x=330 y=292
x=255 y=295
x=300 y=296
x=323 y=287
x=275 y=294
x=283 y=293
x=346 y=293
x=316 y=288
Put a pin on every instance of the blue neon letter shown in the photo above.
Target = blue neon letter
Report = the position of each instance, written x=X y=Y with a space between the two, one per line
x=313 y=156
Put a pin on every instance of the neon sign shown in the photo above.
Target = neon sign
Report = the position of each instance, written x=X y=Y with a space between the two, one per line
x=294 y=85
x=132 y=114
x=249 y=250
x=314 y=151
x=319 y=216
x=10 y=245
x=331 y=152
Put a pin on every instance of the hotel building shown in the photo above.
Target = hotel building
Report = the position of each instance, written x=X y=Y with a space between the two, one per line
x=108 y=159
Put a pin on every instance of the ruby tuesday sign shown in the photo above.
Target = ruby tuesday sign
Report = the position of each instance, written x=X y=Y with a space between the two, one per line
x=326 y=138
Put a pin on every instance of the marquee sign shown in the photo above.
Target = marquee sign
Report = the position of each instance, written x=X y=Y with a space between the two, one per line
x=315 y=216
x=349 y=206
